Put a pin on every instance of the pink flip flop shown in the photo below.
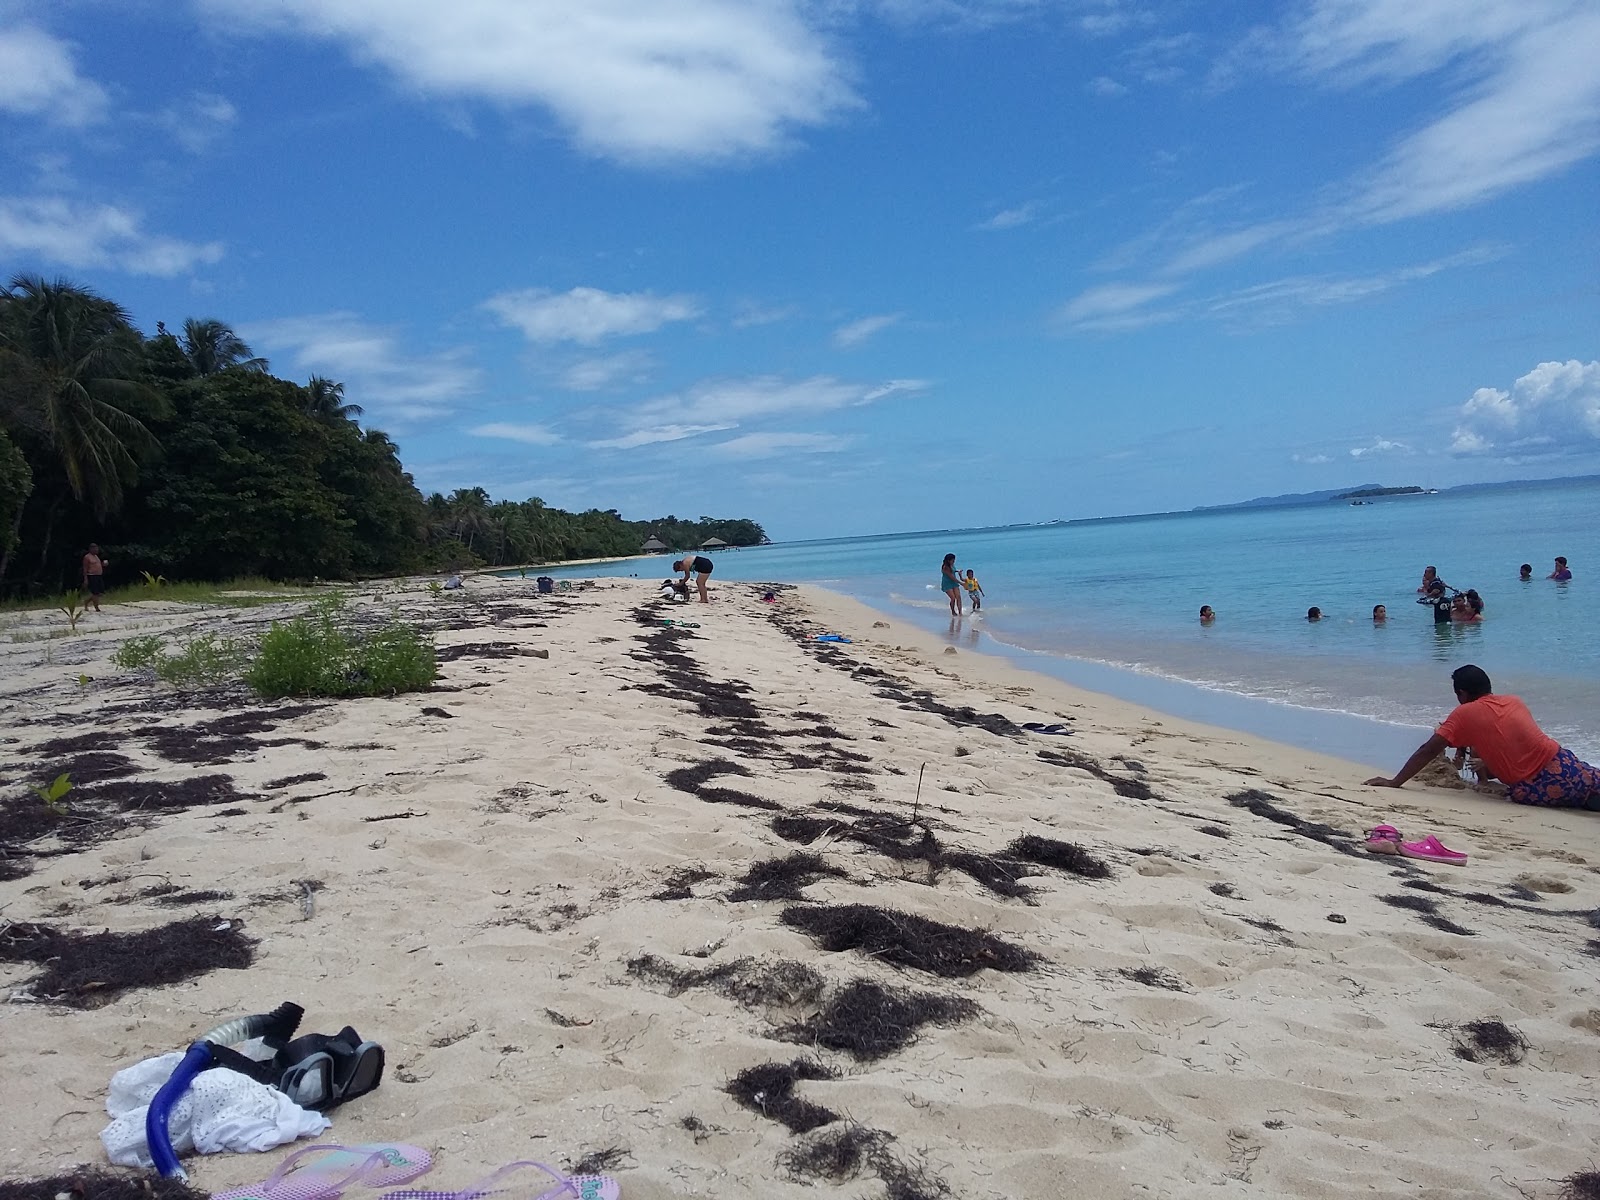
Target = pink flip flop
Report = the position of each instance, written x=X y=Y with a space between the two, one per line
x=335 y=1169
x=1432 y=849
x=567 y=1187
x=1383 y=839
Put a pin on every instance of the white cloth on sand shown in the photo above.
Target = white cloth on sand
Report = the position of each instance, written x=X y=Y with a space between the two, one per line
x=221 y=1110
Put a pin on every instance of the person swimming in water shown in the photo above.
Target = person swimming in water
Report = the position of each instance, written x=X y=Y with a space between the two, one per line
x=1206 y=614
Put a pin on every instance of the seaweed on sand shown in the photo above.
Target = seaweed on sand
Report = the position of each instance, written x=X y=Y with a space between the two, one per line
x=696 y=781
x=91 y=766
x=679 y=883
x=99 y=1183
x=869 y=1021
x=1133 y=789
x=1058 y=856
x=845 y=1153
x=753 y=982
x=1155 y=977
x=907 y=940
x=1583 y=1186
x=783 y=878
x=1428 y=910
x=1493 y=1039
x=769 y=1090
x=87 y=970
x=1264 y=804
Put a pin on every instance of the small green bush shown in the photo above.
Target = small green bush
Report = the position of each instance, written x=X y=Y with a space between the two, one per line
x=204 y=659
x=138 y=652
x=312 y=656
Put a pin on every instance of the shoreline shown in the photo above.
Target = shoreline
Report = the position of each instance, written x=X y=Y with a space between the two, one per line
x=576 y=892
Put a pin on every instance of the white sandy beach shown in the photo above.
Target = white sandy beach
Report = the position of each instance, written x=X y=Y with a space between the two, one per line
x=485 y=878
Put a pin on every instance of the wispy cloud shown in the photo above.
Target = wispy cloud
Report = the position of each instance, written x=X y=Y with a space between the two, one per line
x=749 y=314
x=1310 y=459
x=531 y=435
x=198 y=122
x=1379 y=448
x=632 y=80
x=770 y=445
x=78 y=235
x=1554 y=408
x=1012 y=218
x=389 y=381
x=662 y=433
x=1104 y=85
x=857 y=333
x=39 y=78
x=730 y=401
x=1114 y=306
x=588 y=315
x=612 y=370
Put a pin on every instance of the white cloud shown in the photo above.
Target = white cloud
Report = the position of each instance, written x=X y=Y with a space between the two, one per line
x=730 y=401
x=612 y=370
x=1554 y=407
x=663 y=433
x=39 y=78
x=389 y=382
x=1113 y=305
x=1311 y=459
x=588 y=315
x=77 y=235
x=199 y=122
x=1012 y=218
x=532 y=435
x=750 y=314
x=1104 y=85
x=1528 y=106
x=1379 y=447
x=636 y=80
x=858 y=332
x=769 y=445
x=1284 y=299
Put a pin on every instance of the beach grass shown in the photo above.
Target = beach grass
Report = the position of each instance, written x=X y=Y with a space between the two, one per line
x=247 y=592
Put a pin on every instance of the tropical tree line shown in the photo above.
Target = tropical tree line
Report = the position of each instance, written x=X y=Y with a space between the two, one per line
x=181 y=455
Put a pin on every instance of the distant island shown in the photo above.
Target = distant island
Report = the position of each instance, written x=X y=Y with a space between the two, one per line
x=1295 y=499
x=1364 y=493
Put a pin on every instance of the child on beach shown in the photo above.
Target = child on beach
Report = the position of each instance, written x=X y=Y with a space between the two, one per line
x=974 y=590
x=1501 y=731
x=950 y=583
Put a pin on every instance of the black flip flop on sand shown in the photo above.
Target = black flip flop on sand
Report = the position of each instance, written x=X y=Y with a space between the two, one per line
x=1040 y=727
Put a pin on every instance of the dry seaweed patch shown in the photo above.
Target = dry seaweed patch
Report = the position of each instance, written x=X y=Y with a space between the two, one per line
x=90 y=767
x=1489 y=1040
x=1132 y=789
x=1264 y=804
x=752 y=982
x=695 y=780
x=869 y=1021
x=1058 y=856
x=1156 y=977
x=907 y=940
x=783 y=878
x=445 y=654
x=87 y=970
x=98 y=1183
x=769 y=1090
x=680 y=883
x=1428 y=911
x=839 y=1155
x=1583 y=1186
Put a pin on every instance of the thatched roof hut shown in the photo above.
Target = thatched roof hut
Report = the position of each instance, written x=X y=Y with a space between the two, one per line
x=653 y=545
x=713 y=544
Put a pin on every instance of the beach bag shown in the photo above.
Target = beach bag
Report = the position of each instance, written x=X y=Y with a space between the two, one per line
x=546 y=584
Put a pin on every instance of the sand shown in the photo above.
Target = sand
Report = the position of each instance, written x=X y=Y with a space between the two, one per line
x=508 y=874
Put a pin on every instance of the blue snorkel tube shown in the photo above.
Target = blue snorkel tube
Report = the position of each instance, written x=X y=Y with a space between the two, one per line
x=276 y=1026
x=156 y=1134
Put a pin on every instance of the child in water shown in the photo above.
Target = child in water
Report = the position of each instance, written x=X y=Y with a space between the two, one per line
x=974 y=590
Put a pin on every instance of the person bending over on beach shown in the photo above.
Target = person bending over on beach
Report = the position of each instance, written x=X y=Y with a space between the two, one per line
x=974 y=590
x=1560 y=574
x=1206 y=614
x=950 y=583
x=1527 y=572
x=94 y=575
x=1380 y=614
x=700 y=567
x=1501 y=732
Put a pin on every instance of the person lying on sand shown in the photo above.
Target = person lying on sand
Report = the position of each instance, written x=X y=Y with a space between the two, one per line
x=1502 y=733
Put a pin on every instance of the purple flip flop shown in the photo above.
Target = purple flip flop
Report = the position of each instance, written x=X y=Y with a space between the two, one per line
x=504 y=1186
x=1431 y=849
x=333 y=1170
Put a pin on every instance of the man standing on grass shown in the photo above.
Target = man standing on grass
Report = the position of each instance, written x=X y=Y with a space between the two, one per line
x=94 y=575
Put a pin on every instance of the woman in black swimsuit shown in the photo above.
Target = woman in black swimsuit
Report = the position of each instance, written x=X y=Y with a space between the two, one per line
x=700 y=567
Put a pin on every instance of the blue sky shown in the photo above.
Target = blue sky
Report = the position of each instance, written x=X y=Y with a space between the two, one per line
x=851 y=266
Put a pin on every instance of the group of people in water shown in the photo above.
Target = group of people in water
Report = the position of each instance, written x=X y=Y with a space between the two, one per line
x=952 y=583
x=1450 y=606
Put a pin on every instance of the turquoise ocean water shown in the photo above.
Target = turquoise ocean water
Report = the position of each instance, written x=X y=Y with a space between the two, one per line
x=1113 y=605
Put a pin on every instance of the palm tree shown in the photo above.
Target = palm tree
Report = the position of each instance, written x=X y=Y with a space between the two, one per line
x=210 y=346
x=325 y=401
x=73 y=360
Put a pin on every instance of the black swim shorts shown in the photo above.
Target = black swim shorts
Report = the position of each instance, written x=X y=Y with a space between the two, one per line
x=702 y=565
x=97 y=585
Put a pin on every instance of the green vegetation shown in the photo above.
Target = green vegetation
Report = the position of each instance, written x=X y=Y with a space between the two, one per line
x=185 y=459
x=313 y=655
x=203 y=659
x=54 y=796
x=137 y=653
